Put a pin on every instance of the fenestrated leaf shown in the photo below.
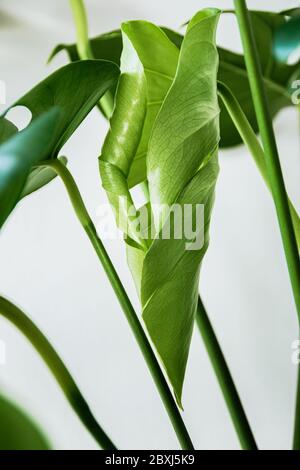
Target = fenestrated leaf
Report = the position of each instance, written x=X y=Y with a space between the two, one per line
x=17 y=430
x=19 y=154
x=148 y=66
x=232 y=70
x=75 y=89
x=287 y=38
x=7 y=129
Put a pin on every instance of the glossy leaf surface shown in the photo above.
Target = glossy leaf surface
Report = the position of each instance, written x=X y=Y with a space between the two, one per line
x=19 y=154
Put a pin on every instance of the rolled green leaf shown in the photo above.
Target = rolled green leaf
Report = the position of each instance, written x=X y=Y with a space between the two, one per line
x=232 y=70
x=17 y=430
x=182 y=169
x=148 y=66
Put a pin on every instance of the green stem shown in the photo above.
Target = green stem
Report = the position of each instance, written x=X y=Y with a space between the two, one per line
x=272 y=160
x=230 y=394
x=58 y=369
x=250 y=140
x=85 y=51
x=131 y=316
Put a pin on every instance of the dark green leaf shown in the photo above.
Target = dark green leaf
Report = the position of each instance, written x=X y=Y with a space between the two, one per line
x=19 y=154
x=148 y=66
x=287 y=39
x=75 y=89
x=17 y=430
x=7 y=129
x=40 y=177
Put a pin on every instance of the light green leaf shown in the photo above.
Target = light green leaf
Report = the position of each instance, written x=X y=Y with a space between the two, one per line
x=148 y=65
x=181 y=168
x=17 y=430
x=19 y=154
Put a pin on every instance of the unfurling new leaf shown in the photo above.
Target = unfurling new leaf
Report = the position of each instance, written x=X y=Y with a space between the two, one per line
x=169 y=108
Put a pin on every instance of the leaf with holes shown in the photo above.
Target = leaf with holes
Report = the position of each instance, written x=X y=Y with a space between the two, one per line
x=74 y=89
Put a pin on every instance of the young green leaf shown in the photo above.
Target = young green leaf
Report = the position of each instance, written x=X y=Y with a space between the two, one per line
x=181 y=168
x=17 y=430
x=19 y=154
x=148 y=65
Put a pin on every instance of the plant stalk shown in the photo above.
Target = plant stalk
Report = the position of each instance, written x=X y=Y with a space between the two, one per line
x=230 y=394
x=275 y=176
x=85 y=51
x=131 y=316
x=252 y=143
x=58 y=369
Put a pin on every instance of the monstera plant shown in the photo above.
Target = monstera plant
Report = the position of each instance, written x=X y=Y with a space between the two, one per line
x=171 y=100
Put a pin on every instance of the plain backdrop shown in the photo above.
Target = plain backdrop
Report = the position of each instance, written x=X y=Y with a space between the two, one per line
x=48 y=267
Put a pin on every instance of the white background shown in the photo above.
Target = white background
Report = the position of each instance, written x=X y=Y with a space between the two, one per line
x=48 y=268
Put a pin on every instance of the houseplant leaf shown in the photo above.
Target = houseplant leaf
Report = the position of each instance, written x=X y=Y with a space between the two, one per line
x=287 y=38
x=40 y=177
x=148 y=65
x=186 y=129
x=75 y=89
x=17 y=430
x=232 y=70
x=19 y=154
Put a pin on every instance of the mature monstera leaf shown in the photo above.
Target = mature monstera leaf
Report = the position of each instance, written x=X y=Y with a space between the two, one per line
x=232 y=70
x=166 y=104
x=17 y=430
x=73 y=90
